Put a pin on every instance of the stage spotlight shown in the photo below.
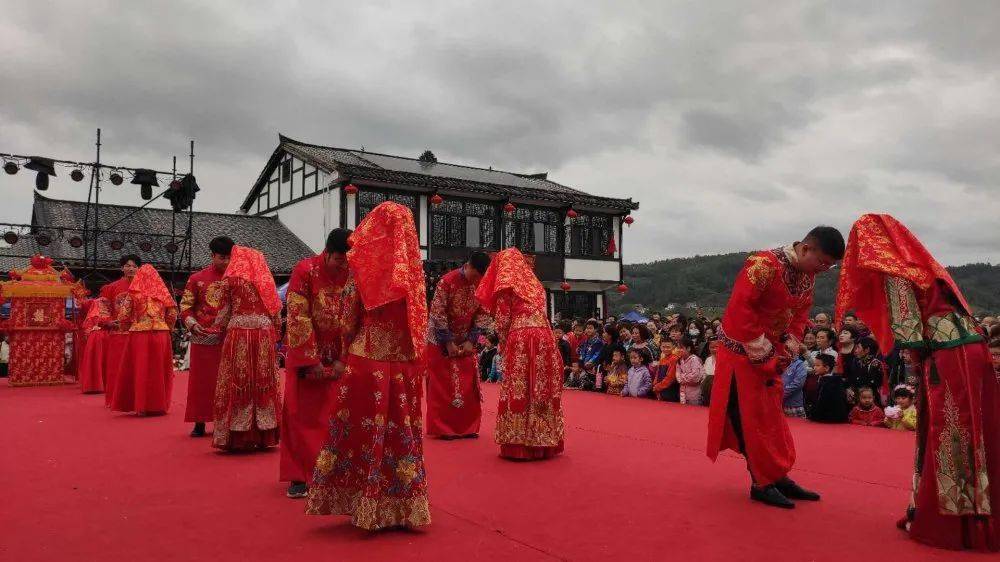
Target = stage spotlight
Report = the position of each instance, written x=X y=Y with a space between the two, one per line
x=45 y=168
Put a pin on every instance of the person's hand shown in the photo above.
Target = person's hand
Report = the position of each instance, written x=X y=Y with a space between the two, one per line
x=452 y=349
x=112 y=325
x=468 y=348
x=197 y=330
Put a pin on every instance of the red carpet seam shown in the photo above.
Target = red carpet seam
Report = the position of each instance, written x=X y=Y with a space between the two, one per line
x=501 y=533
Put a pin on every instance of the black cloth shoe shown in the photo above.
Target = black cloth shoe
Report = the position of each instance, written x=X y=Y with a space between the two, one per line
x=297 y=490
x=770 y=495
x=199 y=430
x=791 y=490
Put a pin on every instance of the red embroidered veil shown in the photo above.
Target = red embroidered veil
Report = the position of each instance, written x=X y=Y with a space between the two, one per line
x=879 y=246
x=251 y=265
x=147 y=283
x=387 y=266
x=510 y=270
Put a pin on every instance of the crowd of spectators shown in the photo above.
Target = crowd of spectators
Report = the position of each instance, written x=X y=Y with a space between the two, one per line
x=835 y=375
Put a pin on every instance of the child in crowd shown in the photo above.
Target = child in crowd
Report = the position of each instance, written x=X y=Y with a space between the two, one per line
x=576 y=378
x=689 y=374
x=486 y=356
x=590 y=348
x=902 y=416
x=866 y=370
x=793 y=379
x=831 y=402
x=639 y=382
x=706 y=383
x=575 y=337
x=565 y=352
x=665 y=385
x=496 y=370
x=616 y=374
x=867 y=412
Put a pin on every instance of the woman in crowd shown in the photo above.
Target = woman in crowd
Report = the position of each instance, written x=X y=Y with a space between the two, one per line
x=529 y=416
x=642 y=339
x=709 y=365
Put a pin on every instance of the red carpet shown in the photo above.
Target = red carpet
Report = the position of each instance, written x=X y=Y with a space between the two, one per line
x=80 y=483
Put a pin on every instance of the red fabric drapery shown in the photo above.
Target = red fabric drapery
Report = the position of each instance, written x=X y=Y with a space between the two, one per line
x=510 y=270
x=387 y=266
x=251 y=265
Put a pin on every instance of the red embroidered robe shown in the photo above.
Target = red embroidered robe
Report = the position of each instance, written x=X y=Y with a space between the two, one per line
x=770 y=298
x=201 y=304
x=453 y=398
x=120 y=306
x=314 y=337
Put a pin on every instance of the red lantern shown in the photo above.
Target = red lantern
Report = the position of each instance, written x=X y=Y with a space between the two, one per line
x=622 y=289
x=572 y=214
x=509 y=208
x=171 y=247
x=351 y=189
x=117 y=245
x=565 y=287
x=629 y=220
x=76 y=242
x=436 y=199
x=146 y=246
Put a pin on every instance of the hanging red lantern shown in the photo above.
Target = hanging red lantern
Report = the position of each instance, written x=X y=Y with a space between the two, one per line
x=351 y=189
x=117 y=245
x=76 y=242
x=436 y=199
x=509 y=208
x=622 y=289
x=572 y=214
x=565 y=287
x=629 y=220
x=171 y=247
x=146 y=246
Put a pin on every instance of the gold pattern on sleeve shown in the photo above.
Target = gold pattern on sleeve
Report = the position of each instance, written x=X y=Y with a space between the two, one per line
x=760 y=272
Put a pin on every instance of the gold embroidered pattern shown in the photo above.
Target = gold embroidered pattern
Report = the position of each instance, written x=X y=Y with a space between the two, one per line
x=904 y=314
x=960 y=490
x=760 y=271
x=951 y=329
x=369 y=513
x=299 y=324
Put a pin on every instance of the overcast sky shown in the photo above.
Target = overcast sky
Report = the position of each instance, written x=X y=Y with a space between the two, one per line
x=736 y=125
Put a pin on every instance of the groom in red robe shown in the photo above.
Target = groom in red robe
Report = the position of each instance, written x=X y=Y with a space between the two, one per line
x=771 y=299
x=200 y=306
x=314 y=337
x=456 y=322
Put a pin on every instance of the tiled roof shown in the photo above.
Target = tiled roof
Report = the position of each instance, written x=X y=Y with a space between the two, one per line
x=355 y=164
x=282 y=248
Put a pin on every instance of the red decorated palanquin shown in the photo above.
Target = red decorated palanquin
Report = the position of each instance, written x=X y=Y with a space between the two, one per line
x=37 y=325
x=770 y=298
x=453 y=397
x=201 y=304
x=371 y=466
x=314 y=336
x=909 y=300
x=529 y=414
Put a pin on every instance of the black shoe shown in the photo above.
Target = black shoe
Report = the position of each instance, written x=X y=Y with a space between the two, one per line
x=791 y=490
x=297 y=490
x=199 y=430
x=770 y=495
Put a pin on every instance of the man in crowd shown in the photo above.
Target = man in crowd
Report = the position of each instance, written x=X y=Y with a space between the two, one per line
x=822 y=320
x=314 y=337
x=198 y=311
x=456 y=322
x=771 y=299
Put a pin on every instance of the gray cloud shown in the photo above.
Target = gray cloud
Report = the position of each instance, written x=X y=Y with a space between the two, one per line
x=734 y=127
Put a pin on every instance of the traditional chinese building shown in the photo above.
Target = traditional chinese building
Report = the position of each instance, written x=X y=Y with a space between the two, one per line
x=575 y=237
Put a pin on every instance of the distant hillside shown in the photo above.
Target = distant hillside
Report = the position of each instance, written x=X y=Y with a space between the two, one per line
x=707 y=280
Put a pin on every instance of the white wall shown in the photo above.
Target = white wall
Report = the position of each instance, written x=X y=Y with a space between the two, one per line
x=425 y=223
x=311 y=219
x=592 y=270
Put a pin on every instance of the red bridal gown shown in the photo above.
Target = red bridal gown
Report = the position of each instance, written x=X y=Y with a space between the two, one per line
x=144 y=383
x=529 y=413
x=372 y=464
x=200 y=305
x=314 y=338
x=453 y=395
x=908 y=299
x=247 y=398
x=91 y=365
x=769 y=299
